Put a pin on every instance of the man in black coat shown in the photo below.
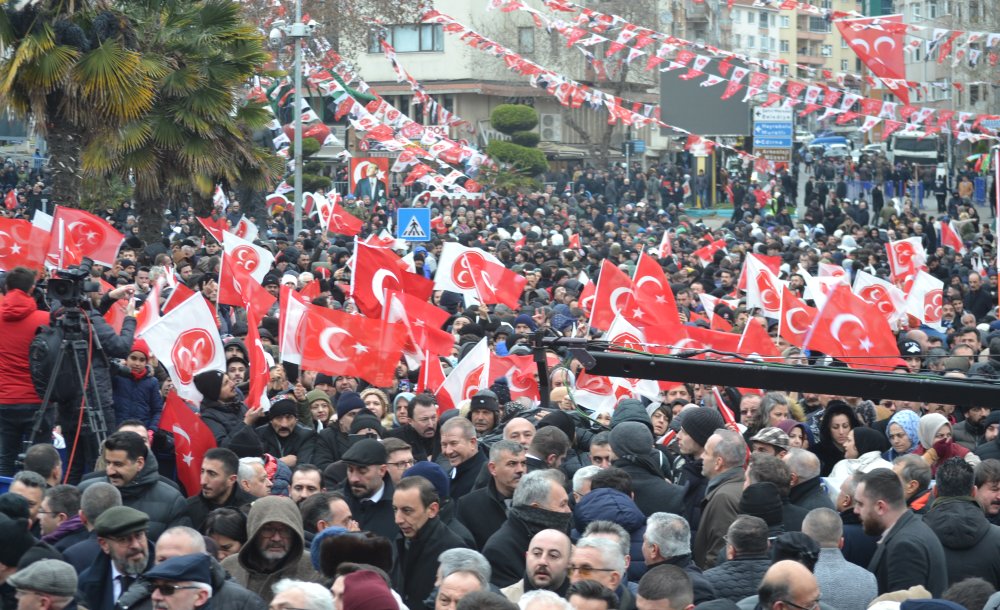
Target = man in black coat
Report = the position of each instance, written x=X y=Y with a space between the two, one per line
x=632 y=442
x=126 y=553
x=219 y=471
x=421 y=540
x=460 y=447
x=746 y=559
x=971 y=544
x=284 y=438
x=368 y=489
x=484 y=510
x=667 y=541
x=540 y=502
x=910 y=554
x=807 y=487
x=333 y=442
x=421 y=432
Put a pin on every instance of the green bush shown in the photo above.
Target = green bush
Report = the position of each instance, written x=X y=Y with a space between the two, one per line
x=530 y=161
x=509 y=118
x=312 y=183
x=310 y=146
x=525 y=138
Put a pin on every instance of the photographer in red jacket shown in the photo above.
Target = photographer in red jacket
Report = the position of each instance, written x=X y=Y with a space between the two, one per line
x=19 y=402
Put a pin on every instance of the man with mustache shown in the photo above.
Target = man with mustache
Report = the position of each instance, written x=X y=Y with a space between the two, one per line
x=126 y=553
x=283 y=438
x=275 y=548
x=484 y=510
x=369 y=488
x=546 y=565
x=132 y=468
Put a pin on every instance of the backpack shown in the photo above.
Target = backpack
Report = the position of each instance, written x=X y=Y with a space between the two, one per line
x=42 y=356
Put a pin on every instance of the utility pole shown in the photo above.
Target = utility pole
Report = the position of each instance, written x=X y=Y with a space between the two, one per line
x=297 y=33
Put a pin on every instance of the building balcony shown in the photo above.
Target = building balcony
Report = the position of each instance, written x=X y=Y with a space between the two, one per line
x=694 y=11
x=811 y=60
x=803 y=34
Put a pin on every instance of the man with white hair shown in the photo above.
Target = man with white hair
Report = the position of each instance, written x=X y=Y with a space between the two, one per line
x=807 y=486
x=543 y=600
x=667 y=541
x=600 y=559
x=301 y=595
x=253 y=478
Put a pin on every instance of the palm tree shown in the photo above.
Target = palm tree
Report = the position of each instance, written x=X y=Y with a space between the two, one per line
x=72 y=66
x=199 y=129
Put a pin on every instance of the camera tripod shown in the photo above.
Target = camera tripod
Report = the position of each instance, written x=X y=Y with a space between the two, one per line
x=74 y=347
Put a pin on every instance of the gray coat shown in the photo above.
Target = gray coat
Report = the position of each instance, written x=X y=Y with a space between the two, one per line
x=833 y=572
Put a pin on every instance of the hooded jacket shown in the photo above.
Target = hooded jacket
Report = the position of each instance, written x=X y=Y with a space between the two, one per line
x=971 y=544
x=608 y=504
x=253 y=571
x=19 y=319
x=164 y=505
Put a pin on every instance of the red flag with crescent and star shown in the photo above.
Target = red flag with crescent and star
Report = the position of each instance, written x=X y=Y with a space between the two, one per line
x=192 y=438
x=337 y=343
x=94 y=237
x=880 y=47
x=849 y=329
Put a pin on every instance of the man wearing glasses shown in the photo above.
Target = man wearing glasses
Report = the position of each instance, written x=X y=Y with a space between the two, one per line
x=48 y=580
x=121 y=534
x=788 y=585
x=181 y=583
x=601 y=560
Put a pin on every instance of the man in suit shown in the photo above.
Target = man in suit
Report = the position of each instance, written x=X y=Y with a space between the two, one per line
x=908 y=553
x=371 y=185
x=126 y=553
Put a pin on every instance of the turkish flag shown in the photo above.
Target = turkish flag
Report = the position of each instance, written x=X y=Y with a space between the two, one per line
x=624 y=335
x=423 y=322
x=192 y=438
x=22 y=244
x=950 y=238
x=652 y=300
x=239 y=289
x=925 y=299
x=755 y=342
x=702 y=338
x=887 y=299
x=291 y=311
x=338 y=343
x=796 y=318
x=471 y=374
x=335 y=219
x=851 y=330
x=310 y=291
x=186 y=342
x=763 y=288
x=431 y=379
x=478 y=276
x=773 y=263
x=574 y=241
x=587 y=295
x=705 y=253
x=10 y=201
x=613 y=294
x=377 y=270
x=879 y=47
x=149 y=313
x=260 y=365
x=94 y=237
x=215 y=226
x=179 y=294
x=115 y=315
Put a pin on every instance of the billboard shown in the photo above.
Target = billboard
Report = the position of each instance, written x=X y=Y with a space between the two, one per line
x=369 y=177
x=686 y=104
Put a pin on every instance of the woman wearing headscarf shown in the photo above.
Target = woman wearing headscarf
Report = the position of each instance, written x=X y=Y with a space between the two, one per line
x=838 y=420
x=937 y=444
x=862 y=453
x=902 y=434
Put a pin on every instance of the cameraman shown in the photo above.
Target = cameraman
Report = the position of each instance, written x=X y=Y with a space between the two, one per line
x=19 y=402
x=112 y=345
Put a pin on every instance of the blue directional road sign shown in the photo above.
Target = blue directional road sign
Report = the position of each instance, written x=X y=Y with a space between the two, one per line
x=772 y=142
x=413 y=224
x=772 y=130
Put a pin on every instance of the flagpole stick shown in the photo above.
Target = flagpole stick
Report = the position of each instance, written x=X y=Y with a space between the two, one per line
x=538 y=355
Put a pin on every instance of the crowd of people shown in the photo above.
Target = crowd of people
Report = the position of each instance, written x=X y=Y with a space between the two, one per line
x=350 y=496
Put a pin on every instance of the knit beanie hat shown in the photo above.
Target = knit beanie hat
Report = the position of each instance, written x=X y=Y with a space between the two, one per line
x=631 y=438
x=314 y=395
x=140 y=345
x=347 y=402
x=366 y=419
x=209 y=383
x=762 y=500
x=433 y=473
x=701 y=423
x=561 y=420
x=365 y=590
x=928 y=427
x=16 y=540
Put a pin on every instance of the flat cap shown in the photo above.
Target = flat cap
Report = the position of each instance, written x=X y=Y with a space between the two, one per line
x=46 y=576
x=121 y=520
x=365 y=452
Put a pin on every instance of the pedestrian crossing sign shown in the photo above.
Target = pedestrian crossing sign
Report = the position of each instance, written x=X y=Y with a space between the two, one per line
x=413 y=224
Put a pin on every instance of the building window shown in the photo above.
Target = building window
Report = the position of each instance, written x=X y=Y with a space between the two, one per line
x=736 y=15
x=526 y=40
x=843 y=43
x=932 y=11
x=751 y=42
x=818 y=24
x=750 y=16
x=826 y=50
x=916 y=10
x=417 y=110
x=412 y=38
x=843 y=65
x=786 y=22
x=784 y=46
x=738 y=38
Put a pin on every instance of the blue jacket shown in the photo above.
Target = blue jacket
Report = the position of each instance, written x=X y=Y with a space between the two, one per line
x=136 y=399
x=612 y=505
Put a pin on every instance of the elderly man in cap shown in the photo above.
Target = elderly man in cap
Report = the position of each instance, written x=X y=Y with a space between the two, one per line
x=127 y=553
x=333 y=442
x=181 y=583
x=48 y=584
x=275 y=547
x=283 y=437
x=484 y=412
x=369 y=489
x=770 y=440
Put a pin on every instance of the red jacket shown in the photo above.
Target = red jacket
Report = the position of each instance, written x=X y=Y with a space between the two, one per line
x=19 y=318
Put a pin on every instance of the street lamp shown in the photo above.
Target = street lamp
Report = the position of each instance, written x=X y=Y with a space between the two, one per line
x=296 y=31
